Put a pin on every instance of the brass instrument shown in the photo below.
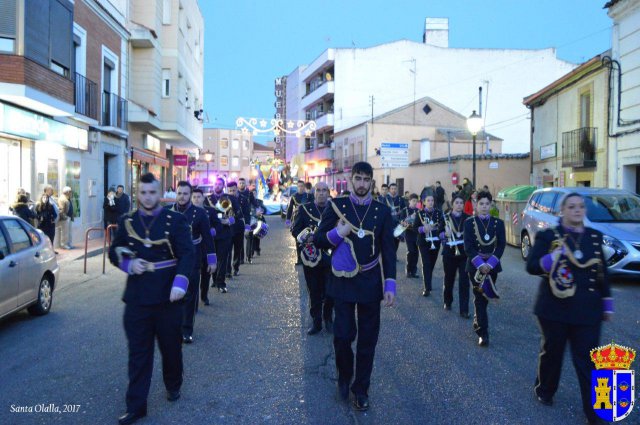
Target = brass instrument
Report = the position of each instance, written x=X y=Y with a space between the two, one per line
x=304 y=235
x=479 y=277
x=400 y=228
x=452 y=239
x=224 y=206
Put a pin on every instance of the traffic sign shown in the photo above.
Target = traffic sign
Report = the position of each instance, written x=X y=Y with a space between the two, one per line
x=394 y=155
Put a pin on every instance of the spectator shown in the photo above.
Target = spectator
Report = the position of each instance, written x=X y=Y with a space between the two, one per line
x=65 y=217
x=470 y=204
x=123 y=202
x=467 y=188
x=426 y=191
x=110 y=209
x=440 y=195
x=47 y=215
x=22 y=210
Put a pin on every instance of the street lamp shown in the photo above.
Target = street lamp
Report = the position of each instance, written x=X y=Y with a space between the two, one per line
x=474 y=124
x=208 y=156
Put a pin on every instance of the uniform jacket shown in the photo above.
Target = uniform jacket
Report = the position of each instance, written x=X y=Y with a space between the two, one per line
x=247 y=202
x=411 y=234
x=296 y=199
x=171 y=239
x=396 y=204
x=592 y=295
x=377 y=245
x=474 y=243
x=425 y=217
x=198 y=220
x=309 y=215
x=223 y=231
x=458 y=224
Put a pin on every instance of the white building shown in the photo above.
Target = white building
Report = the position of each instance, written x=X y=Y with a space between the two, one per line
x=624 y=112
x=345 y=87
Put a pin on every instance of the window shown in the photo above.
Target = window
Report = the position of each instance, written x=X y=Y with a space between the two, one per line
x=224 y=144
x=166 y=12
x=7 y=25
x=4 y=248
x=224 y=161
x=585 y=109
x=235 y=162
x=33 y=234
x=166 y=82
x=245 y=144
x=546 y=202
x=245 y=161
x=19 y=238
x=235 y=144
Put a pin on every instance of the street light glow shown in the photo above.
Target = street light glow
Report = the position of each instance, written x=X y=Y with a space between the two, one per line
x=208 y=156
x=474 y=123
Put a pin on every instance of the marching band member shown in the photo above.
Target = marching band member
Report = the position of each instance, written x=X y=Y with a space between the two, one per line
x=259 y=214
x=430 y=223
x=238 y=230
x=573 y=299
x=198 y=198
x=299 y=198
x=316 y=263
x=153 y=246
x=454 y=259
x=247 y=203
x=397 y=204
x=224 y=206
x=408 y=218
x=203 y=242
x=359 y=231
x=484 y=243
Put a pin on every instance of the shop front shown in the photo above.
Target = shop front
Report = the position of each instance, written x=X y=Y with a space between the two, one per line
x=143 y=162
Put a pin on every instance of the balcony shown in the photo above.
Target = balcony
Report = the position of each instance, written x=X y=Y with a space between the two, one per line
x=322 y=92
x=321 y=153
x=324 y=121
x=579 y=148
x=347 y=162
x=114 y=111
x=86 y=97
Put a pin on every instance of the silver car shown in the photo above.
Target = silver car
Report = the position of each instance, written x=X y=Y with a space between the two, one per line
x=28 y=268
x=615 y=213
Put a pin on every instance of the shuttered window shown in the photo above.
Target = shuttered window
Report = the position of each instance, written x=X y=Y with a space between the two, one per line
x=8 y=19
x=61 y=34
x=36 y=31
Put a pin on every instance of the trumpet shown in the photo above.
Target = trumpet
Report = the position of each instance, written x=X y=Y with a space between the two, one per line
x=452 y=238
x=304 y=235
x=224 y=206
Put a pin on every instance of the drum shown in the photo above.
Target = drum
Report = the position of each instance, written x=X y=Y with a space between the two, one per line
x=261 y=229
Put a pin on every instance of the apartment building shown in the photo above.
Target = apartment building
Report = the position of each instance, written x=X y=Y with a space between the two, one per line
x=346 y=87
x=166 y=85
x=225 y=153
x=569 y=128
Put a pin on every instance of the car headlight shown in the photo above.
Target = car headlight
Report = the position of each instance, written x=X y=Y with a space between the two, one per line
x=614 y=250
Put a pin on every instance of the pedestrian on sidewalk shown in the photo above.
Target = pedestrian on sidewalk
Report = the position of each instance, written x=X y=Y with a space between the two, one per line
x=153 y=246
x=359 y=231
x=65 y=206
x=47 y=215
x=123 y=202
x=22 y=210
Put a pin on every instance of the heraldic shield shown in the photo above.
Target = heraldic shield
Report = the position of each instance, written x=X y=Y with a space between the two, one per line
x=612 y=387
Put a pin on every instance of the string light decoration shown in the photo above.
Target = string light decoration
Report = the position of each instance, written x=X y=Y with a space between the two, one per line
x=277 y=127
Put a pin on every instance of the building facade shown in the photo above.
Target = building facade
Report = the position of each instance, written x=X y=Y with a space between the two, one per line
x=231 y=154
x=624 y=95
x=569 y=128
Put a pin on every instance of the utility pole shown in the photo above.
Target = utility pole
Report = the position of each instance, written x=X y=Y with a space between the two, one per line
x=371 y=102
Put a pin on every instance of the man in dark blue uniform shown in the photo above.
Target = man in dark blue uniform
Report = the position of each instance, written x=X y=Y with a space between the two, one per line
x=299 y=198
x=484 y=243
x=224 y=206
x=359 y=231
x=238 y=229
x=203 y=242
x=198 y=198
x=397 y=204
x=409 y=218
x=248 y=202
x=153 y=246
x=316 y=262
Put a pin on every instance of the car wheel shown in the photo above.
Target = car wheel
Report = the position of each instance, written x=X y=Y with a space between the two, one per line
x=525 y=246
x=45 y=298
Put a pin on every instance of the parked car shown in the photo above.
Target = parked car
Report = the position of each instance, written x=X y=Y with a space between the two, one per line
x=28 y=268
x=285 y=196
x=615 y=213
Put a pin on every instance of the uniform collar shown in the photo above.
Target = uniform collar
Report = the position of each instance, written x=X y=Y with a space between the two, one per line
x=573 y=229
x=356 y=200
x=183 y=209
x=455 y=214
x=153 y=213
x=484 y=217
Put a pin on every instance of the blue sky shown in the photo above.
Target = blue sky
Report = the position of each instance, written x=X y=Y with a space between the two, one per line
x=249 y=43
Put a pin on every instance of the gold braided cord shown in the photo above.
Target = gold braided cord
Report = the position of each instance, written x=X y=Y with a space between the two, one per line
x=309 y=214
x=561 y=241
x=480 y=240
x=132 y=233
x=355 y=229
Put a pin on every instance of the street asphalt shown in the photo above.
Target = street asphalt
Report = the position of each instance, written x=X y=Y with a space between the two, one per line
x=252 y=362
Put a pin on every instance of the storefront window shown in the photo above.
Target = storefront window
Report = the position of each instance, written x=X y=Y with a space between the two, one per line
x=52 y=175
x=73 y=181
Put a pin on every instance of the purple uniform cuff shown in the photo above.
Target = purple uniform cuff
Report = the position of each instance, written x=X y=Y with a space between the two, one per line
x=546 y=262
x=213 y=232
x=477 y=261
x=421 y=230
x=180 y=282
x=247 y=228
x=232 y=220
x=287 y=223
x=493 y=261
x=212 y=259
x=390 y=286
x=607 y=305
x=334 y=237
x=125 y=265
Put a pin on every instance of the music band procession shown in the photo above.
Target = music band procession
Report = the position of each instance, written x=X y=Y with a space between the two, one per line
x=347 y=246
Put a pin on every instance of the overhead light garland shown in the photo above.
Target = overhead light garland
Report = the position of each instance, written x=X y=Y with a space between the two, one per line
x=277 y=127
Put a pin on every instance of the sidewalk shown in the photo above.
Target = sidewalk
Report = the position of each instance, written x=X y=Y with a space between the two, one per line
x=94 y=247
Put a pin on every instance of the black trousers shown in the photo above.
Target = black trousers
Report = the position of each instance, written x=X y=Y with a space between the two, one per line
x=480 y=317
x=190 y=304
x=238 y=249
x=429 y=257
x=453 y=265
x=345 y=330
x=248 y=250
x=223 y=249
x=256 y=245
x=143 y=325
x=320 y=305
x=412 y=254
x=205 y=280
x=582 y=339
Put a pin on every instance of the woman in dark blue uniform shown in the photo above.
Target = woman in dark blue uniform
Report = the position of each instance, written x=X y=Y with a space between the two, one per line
x=408 y=217
x=454 y=258
x=573 y=299
x=430 y=223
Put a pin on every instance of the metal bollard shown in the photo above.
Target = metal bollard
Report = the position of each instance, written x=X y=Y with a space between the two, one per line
x=86 y=242
x=107 y=241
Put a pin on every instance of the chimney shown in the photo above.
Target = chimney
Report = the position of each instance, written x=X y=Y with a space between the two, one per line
x=436 y=32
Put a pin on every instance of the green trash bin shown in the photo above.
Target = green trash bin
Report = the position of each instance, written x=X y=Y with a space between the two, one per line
x=511 y=202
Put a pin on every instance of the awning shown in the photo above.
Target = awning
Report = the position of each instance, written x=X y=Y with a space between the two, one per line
x=144 y=156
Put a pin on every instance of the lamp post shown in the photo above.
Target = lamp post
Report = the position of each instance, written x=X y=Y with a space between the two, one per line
x=474 y=124
x=208 y=156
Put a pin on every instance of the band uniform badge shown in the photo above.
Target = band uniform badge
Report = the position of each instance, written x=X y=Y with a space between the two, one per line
x=613 y=382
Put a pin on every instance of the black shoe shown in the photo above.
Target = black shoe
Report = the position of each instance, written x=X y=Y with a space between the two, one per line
x=129 y=417
x=361 y=402
x=236 y=272
x=173 y=395
x=206 y=301
x=328 y=325
x=258 y=252
x=483 y=341
x=187 y=339
x=545 y=401
x=223 y=290
x=314 y=329
x=426 y=293
x=447 y=306
x=229 y=276
x=249 y=261
x=343 y=391
x=465 y=315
